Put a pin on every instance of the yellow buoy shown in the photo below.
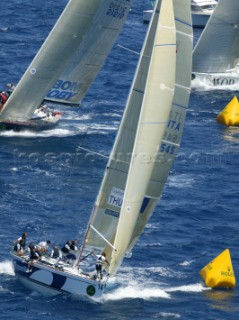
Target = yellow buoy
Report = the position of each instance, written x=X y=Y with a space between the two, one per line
x=229 y=116
x=219 y=272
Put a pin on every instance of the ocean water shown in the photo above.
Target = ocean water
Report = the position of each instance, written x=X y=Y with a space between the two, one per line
x=49 y=182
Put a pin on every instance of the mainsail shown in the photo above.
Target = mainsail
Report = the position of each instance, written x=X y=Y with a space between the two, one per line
x=58 y=50
x=149 y=153
x=217 y=48
x=72 y=85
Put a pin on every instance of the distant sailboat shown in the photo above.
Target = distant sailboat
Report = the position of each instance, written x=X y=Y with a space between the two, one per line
x=76 y=47
x=201 y=12
x=143 y=153
x=106 y=20
x=216 y=55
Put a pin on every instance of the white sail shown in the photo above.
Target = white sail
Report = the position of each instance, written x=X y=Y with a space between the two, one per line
x=173 y=133
x=217 y=48
x=90 y=56
x=53 y=57
x=105 y=217
x=155 y=111
x=110 y=197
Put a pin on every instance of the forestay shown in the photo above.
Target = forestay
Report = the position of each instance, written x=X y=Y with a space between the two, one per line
x=53 y=57
x=217 y=47
x=90 y=56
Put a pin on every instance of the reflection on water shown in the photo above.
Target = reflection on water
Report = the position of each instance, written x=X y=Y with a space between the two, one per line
x=231 y=134
x=222 y=299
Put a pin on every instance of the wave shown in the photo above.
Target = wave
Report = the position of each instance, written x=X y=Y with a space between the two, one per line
x=197 y=287
x=135 y=291
x=6 y=267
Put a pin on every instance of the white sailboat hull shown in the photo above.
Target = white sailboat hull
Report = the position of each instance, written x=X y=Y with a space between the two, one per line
x=34 y=124
x=50 y=280
x=216 y=79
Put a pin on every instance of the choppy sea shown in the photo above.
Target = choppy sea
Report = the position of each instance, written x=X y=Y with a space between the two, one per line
x=49 y=182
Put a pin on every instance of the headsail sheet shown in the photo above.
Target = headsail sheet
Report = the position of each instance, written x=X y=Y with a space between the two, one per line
x=217 y=47
x=53 y=57
x=90 y=56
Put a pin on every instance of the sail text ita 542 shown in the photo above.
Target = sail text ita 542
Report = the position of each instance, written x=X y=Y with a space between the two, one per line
x=64 y=90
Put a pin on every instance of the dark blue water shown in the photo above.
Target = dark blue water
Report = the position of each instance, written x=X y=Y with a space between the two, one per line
x=48 y=185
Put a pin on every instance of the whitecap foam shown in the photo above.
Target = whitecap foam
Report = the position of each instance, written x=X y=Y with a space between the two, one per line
x=180 y=181
x=31 y=134
x=133 y=291
x=186 y=263
x=203 y=85
x=197 y=287
x=6 y=267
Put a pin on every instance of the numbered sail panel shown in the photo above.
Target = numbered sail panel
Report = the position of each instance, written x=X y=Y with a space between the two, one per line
x=82 y=69
x=219 y=272
x=229 y=116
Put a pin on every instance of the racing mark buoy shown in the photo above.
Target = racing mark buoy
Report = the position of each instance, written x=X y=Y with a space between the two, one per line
x=229 y=116
x=219 y=272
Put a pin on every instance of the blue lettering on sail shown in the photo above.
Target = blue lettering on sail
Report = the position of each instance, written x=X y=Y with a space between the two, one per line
x=116 y=197
x=62 y=95
x=115 y=201
x=64 y=90
x=172 y=124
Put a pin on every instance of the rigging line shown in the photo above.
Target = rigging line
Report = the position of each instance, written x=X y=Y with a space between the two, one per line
x=101 y=235
x=130 y=50
x=94 y=152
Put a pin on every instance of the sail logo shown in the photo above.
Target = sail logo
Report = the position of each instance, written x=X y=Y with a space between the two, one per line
x=64 y=90
x=116 y=197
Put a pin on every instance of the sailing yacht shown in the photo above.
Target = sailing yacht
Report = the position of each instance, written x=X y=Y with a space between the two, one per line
x=147 y=142
x=76 y=47
x=215 y=56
